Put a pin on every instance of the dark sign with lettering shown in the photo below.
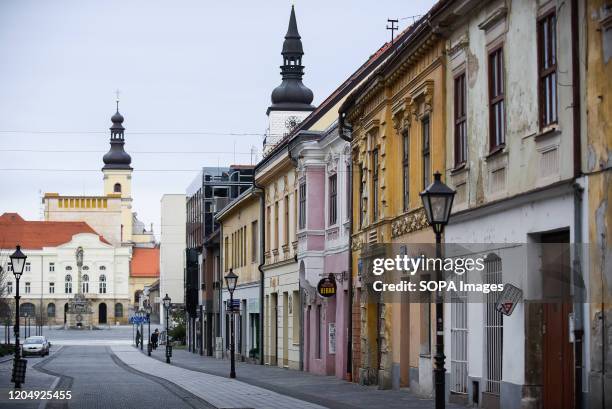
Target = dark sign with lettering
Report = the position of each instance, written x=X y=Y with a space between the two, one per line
x=327 y=286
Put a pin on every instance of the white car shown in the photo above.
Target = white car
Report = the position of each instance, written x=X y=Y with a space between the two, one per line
x=37 y=345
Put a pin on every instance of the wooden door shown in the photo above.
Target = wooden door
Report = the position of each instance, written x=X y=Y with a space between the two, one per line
x=558 y=354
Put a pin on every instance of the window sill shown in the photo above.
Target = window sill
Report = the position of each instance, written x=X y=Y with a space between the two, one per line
x=496 y=151
x=547 y=132
x=459 y=168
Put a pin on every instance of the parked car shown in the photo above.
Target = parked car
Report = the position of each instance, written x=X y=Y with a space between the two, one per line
x=38 y=345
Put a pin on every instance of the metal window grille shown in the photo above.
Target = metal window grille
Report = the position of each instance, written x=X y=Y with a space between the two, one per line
x=493 y=327
x=459 y=338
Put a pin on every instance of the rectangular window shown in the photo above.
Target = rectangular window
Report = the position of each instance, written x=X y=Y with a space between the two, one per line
x=302 y=215
x=51 y=267
x=375 y=185
x=27 y=288
x=295 y=310
x=51 y=288
x=460 y=120
x=333 y=200
x=268 y=230
x=497 y=115
x=319 y=331
x=547 y=66
x=361 y=193
x=9 y=287
x=287 y=238
x=254 y=241
x=226 y=253
x=348 y=191
x=28 y=267
x=276 y=226
x=426 y=153
x=406 y=170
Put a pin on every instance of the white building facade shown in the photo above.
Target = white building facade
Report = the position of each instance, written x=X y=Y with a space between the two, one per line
x=172 y=249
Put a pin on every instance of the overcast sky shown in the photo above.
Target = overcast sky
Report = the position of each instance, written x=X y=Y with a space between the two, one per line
x=180 y=66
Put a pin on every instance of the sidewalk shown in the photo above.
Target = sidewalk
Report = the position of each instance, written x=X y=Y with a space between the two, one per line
x=327 y=391
x=218 y=391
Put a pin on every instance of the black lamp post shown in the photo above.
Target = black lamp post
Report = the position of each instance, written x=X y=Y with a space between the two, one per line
x=148 y=312
x=142 y=315
x=230 y=280
x=168 y=347
x=17 y=264
x=438 y=201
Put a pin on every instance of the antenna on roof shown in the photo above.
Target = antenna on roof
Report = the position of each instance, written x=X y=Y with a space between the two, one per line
x=393 y=27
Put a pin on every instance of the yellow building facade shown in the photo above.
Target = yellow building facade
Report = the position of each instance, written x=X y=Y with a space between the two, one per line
x=398 y=142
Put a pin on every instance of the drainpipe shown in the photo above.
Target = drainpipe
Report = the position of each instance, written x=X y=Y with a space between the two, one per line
x=262 y=260
x=577 y=270
x=349 y=342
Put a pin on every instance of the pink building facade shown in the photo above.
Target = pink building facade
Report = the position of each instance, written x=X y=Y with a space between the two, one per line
x=323 y=247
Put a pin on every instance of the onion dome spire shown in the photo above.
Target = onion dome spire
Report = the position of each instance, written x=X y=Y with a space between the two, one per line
x=292 y=94
x=117 y=157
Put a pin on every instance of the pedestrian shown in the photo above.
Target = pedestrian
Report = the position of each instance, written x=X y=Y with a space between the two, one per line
x=155 y=338
x=137 y=338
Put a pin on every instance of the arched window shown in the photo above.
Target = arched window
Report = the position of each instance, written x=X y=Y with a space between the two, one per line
x=117 y=188
x=68 y=268
x=68 y=286
x=85 y=268
x=85 y=285
x=51 y=310
x=102 y=268
x=27 y=310
x=118 y=310
x=102 y=284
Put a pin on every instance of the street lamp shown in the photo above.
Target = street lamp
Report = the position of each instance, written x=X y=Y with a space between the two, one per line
x=230 y=281
x=166 y=301
x=148 y=312
x=438 y=202
x=17 y=264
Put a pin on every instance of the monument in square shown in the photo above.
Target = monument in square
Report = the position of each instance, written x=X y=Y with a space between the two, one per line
x=79 y=315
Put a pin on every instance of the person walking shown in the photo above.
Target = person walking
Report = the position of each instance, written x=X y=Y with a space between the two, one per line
x=138 y=338
x=155 y=338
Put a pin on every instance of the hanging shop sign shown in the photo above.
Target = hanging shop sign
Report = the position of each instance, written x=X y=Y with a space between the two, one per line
x=327 y=286
x=508 y=299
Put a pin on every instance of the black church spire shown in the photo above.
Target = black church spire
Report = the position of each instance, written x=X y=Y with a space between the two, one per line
x=292 y=94
x=117 y=157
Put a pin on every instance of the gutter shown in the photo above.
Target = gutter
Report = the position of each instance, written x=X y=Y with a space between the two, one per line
x=349 y=342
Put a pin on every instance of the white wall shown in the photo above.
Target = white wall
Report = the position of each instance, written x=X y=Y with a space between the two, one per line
x=172 y=247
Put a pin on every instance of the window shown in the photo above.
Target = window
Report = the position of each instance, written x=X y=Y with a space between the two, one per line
x=9 y=267
x=348 y=191
x=102 y=268
x=361 y=193
x=27 y=287
x=375 y=185
x=118 y=310
x=460 y=120
x=287 y=238
x=102 y=284
x=497 y=116
x=426 y=153
x=302 y=205
x=117 y=188
x=333 y=199
x=254 y=241
x=51 y=287
x=268 y=229
x=276 y=226
x=226 y=253
x=9 y=287
x=547 y=66
x=68 y=268
x=85 y=284
x=51 y=267
x=319 y=331
x=51 y=310
x=28 y=267
x=406 y=170
x=68 y=283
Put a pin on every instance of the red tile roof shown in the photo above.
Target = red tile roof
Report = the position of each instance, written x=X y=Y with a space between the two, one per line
x=145 y=262
x=35 y=235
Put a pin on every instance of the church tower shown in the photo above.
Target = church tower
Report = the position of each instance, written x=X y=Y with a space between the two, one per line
x=291 y=100
x=118 y=174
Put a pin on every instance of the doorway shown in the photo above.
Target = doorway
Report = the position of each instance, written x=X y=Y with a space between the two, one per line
x=102 y=313
x=65 y=313
x=274 y=332
x=557 y=351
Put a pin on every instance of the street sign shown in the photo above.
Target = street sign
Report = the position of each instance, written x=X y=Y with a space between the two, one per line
x=327 y=286
x=508 y=299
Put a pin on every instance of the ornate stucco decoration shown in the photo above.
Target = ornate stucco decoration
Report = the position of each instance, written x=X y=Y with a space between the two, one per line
x=300 y=170
x=458 y=46
x=331 y=163
x=409 y=223
x=423 y=97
